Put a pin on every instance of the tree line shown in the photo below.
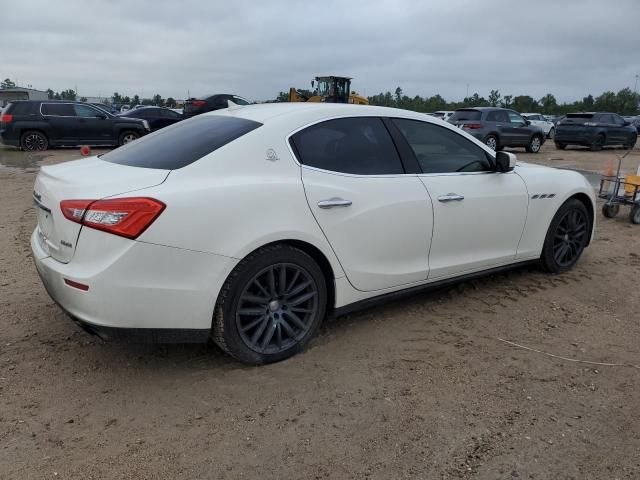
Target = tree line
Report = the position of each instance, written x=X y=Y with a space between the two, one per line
x=625 y=102
x=116 y=98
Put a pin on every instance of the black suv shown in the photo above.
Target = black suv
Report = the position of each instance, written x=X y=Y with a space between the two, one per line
x=499 y=128
x=38 y=125
x=595 y=130
x=196 y=106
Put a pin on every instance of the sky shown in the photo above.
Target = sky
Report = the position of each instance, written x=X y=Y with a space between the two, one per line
x=258 y=48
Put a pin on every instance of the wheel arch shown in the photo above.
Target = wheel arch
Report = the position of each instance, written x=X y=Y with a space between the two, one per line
x=317 y=255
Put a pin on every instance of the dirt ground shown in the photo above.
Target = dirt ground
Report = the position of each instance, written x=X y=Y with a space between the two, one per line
x=422 y=388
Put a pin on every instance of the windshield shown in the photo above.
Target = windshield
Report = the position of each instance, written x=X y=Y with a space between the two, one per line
x=328 y=87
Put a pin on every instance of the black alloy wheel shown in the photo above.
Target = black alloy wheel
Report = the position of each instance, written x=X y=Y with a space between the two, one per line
x=277 y=308
x=271 y=305
x=567 y=236
x=34 y=141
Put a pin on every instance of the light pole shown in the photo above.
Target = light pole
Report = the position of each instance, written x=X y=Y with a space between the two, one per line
x=635 y=86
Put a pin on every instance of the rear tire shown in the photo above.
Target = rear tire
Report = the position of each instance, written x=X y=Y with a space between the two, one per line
x=534 y=144
x=492 y=142
x=34 y=141
x=561 y=146
x=610 y=210
x=598 y=143
x=271 y=305
x=566 y=238
x=128 y=136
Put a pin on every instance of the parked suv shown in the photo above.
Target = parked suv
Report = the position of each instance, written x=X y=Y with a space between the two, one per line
x=196 y=106
x=38 y=125
x=499 y=128
x=595 y=130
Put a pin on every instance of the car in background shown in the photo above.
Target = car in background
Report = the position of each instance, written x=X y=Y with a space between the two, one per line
x=34 y=125
x=156 y=117
x=106 y=108
x=124 y=108
x=189 y=234
x=595 y=130
x=541 y=121
x=442 y=114
x=196 y=106
x=499 y=128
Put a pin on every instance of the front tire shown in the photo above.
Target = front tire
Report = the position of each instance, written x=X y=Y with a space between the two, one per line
x=535 y=144
x=598 y=143
x=271 y=305
x=567 y=237
x=552 y=133
x=492 y=142
x=34 y=141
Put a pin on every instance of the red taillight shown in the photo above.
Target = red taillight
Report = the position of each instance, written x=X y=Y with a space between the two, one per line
x=472 y=126
x=127 y=217
x=198 y=103
x=6 y=118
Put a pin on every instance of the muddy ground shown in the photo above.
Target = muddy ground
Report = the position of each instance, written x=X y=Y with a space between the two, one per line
x=419 y=388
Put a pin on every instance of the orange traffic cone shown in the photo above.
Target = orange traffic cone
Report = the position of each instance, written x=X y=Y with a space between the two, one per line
x=608 y=172
x=85 y=150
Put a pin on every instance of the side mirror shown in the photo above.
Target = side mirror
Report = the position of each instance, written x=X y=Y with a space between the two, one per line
x=312 y=83
x=505 y=162
x=527 y=122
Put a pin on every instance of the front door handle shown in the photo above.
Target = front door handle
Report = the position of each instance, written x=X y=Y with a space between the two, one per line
x=450 y=197
x=334 y=202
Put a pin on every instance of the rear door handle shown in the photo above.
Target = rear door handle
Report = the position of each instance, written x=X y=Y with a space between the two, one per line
x=450 y=197
x=334 y=202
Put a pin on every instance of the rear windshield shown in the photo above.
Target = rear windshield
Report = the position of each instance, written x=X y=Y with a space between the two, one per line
x=461 y=115
x=182 y=143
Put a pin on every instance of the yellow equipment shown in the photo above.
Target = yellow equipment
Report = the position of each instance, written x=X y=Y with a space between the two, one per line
x=330 y=89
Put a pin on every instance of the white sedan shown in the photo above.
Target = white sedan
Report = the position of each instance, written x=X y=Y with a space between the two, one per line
x=251 y=224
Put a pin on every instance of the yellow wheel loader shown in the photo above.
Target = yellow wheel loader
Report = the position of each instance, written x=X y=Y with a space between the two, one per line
x=329 y=89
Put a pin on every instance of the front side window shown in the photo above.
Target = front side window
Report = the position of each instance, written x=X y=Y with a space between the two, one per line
x=441 y=150
x=86 y=111
x=618 y=120
x=58 y=109
x=357 y=145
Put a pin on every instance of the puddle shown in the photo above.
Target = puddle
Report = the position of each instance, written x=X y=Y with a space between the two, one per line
x=12 y=157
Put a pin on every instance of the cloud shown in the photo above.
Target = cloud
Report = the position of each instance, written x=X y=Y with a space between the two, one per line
x=257 y=49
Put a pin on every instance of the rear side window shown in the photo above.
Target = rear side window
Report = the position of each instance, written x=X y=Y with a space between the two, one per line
x=441 y=150
x=462 y=115
x=58 y=109
x=182 y=143
x=579 y=115
x=358 y=145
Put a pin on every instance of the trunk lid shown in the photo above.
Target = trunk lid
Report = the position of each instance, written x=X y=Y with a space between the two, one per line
x=89 y=178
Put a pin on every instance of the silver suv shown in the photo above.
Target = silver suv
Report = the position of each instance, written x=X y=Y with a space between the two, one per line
x=499 y=128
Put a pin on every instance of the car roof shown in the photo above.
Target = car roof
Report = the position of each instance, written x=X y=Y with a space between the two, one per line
x=266 y=112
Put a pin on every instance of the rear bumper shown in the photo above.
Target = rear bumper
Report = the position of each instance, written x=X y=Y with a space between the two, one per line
x=6 y=138
x=142 y=293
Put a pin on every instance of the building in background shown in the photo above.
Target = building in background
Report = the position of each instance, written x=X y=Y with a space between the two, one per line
x=20 y=93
